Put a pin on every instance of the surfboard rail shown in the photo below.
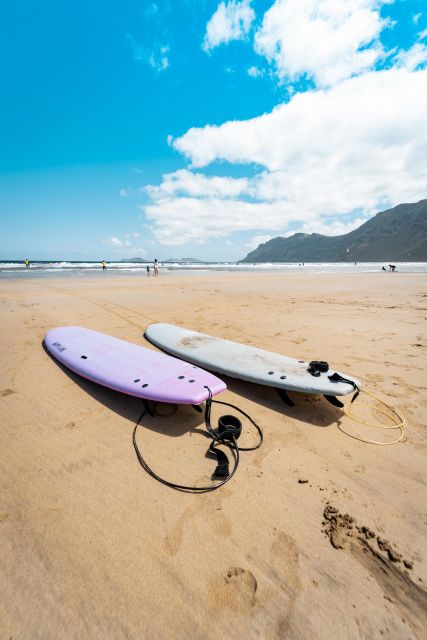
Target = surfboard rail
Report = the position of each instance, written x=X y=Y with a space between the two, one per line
x=246 y=362
x=130 y=368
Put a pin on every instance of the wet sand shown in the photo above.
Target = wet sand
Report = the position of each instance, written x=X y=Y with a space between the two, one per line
x=317 y=536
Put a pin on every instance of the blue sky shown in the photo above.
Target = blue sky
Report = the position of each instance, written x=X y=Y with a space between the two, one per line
x=200 y=128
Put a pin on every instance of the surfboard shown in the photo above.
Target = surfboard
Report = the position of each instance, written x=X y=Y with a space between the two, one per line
x=245 y=362
x=130 y=368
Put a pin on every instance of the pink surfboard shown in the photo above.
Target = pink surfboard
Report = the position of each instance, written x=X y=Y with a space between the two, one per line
x=130 y=368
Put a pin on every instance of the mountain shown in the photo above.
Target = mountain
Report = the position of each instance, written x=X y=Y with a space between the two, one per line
x=133 y=260
x=398 y=234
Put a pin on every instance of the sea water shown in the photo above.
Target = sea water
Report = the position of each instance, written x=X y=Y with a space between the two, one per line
x=10 y=269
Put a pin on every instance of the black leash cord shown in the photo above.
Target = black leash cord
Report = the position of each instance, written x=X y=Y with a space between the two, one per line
x=230 y=443
x=257 y=427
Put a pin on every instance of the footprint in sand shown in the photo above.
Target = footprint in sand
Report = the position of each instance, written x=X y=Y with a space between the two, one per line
x=6 y=392
x=243 y=578
x=285 y=563
x=284 y=571
x=236 y=590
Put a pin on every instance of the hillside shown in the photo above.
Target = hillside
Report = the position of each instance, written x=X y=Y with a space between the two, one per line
x=398 y=234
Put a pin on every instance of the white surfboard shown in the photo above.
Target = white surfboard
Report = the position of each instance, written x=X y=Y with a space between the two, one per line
x=245 y=362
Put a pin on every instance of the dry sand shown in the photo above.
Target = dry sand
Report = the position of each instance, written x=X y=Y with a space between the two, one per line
x=92 y=547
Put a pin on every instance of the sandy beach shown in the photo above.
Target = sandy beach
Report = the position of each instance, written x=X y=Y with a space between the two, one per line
x=318 y=536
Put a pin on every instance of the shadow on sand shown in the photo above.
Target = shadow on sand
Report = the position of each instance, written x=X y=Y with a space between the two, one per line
x=309 y=409
x=175 y=420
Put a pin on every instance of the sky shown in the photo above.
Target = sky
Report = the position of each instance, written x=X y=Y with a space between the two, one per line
x=198 y=128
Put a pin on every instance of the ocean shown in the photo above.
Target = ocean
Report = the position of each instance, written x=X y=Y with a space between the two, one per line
x=11 y=269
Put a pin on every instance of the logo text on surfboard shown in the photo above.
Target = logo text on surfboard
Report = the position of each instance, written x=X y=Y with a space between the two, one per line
x=59 y=346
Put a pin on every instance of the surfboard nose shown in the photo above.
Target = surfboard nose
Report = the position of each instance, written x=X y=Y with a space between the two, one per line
x=130 y=368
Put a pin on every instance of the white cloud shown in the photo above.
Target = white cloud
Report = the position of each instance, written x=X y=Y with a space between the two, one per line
x=231 y=21
x=139 y=251
x=360 y=145
x=198 y=185
x=255 y=241
x=422 y=35
x=414 y=57
x=328 y=158
x=131 y=192
x=416 y=17
x=125 y=246
x=116 y=243
x=179 y=220
x=158 y=58
x=371 y=126
x=329 y=40
x=330 y=228
x=255 y=72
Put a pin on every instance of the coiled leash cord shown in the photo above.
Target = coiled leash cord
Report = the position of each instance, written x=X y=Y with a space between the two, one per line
x=229 y=430
x=316 y=367
x=398 y=421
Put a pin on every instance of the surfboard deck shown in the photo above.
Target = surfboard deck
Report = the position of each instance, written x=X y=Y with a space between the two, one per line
x=130 y=368
x=244 y=361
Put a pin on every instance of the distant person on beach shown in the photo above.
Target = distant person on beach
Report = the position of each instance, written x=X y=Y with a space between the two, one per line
x=392 y=267
x=156 y=267
x=383 y=268
x=148 y=269
x=27 y=263
x=104 y=265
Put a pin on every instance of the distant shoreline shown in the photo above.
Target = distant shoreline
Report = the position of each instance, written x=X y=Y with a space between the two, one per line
x=67 y=269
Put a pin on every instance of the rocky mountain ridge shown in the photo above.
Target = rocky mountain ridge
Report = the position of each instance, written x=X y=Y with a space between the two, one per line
x=397 y=234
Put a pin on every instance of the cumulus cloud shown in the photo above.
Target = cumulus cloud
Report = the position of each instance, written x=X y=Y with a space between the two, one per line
x=360 y=145
x=413 y=58
x=125 y=245
x=255 y=241
x=327 y=40
x=324 y=161
x=184 y=182
x=255 y=72
x=331 y=228
x=231 y=21
x=371 y=126
x=179 y=220
x=116 y=243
